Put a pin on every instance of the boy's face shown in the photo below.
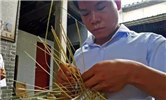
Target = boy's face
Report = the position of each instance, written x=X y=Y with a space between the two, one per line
x=100 y=17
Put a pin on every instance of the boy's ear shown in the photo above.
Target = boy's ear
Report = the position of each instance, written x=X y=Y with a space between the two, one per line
x=118 y=3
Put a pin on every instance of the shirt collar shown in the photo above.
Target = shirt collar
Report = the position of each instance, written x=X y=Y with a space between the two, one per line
x=122 y=29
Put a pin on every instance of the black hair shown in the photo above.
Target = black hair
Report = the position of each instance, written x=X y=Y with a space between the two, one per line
x=75 y=2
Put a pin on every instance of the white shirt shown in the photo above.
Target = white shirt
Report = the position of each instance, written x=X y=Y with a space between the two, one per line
x=147 y=48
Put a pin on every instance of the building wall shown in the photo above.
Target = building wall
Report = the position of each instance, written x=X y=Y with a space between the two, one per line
x=26 y=66
x=157 y=27
x=149 y=11
x=8 y=49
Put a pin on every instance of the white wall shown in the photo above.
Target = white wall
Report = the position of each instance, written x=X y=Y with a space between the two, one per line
x=26 y=66
x=144 y=12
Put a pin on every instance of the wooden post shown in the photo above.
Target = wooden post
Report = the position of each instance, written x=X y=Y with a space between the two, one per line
x=60 y=15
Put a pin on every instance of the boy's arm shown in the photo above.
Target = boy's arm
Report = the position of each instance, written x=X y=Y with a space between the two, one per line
x=113 y=75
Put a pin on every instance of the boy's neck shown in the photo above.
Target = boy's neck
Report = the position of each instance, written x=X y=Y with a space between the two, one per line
x=101 y=41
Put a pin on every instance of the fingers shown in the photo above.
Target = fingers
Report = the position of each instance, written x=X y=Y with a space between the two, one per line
x=65 y=74
x=64 y=68
x=93 y=79
x=97 y=87
x=61 y=77
x=88 y=74
x=91 y=82
x=100 y=87
x=62 y=74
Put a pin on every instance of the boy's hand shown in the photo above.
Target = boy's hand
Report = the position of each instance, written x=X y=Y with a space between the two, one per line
x=108 y=76
x=65 y=79
x=64 y=76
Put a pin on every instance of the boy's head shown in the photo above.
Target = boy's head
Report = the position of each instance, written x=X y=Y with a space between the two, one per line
x=118 y=3
x=100 y=17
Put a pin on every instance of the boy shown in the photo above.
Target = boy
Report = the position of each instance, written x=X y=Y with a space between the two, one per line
x=119 y=62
